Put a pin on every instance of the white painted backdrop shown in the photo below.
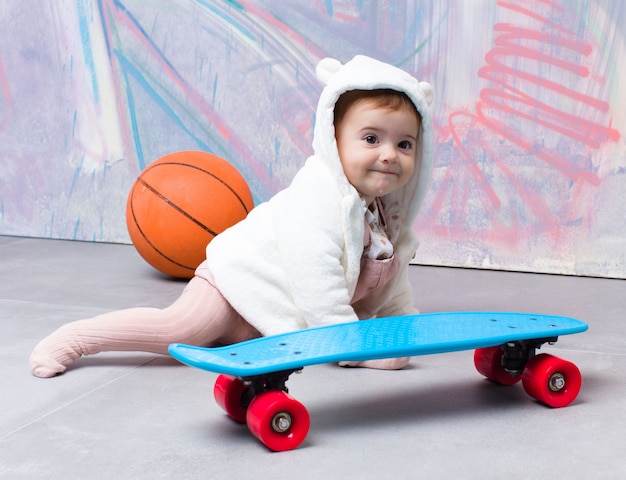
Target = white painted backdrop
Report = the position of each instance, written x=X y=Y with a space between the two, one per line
x=530 y=121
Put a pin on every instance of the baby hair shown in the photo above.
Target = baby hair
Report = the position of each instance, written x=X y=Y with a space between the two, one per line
x=381 y=98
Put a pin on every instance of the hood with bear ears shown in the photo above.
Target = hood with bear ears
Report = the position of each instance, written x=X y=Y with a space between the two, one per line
x=364 y=73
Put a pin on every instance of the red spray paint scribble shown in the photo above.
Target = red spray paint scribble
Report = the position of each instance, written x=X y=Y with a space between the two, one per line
x=490 y=143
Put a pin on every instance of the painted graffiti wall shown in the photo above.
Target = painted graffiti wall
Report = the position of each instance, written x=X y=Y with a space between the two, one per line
x=530 y=167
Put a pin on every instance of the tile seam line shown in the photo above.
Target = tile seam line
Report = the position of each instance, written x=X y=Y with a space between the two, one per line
x=84 y=395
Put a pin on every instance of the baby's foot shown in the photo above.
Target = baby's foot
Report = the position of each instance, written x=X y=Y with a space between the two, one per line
x=44 y=366
x=53 y=355
x=383 y=364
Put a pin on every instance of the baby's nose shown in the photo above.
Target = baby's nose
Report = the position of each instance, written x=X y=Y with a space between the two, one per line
x=388 y=153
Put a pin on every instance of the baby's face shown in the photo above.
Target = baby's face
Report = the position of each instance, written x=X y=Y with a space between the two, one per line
x=377 y=148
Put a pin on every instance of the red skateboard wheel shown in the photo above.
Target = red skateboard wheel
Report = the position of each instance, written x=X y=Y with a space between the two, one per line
x=488 y=362
x=227 y=392
x=278 y=420
x=552 y=380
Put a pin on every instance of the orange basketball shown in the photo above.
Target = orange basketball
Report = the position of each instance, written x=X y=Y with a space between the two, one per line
x=179 y=203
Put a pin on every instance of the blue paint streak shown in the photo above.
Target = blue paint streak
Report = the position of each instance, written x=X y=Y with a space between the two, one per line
x=227 y=18
x=424 y=42
x=329 y=7
x=104 y=29
x=85 y=39
x=276 y=149
x=74 y=124
x=214 y=92
x=129 y=69
x=145 y=35
x=238 y=6
x=76 y=227
x=75 y=179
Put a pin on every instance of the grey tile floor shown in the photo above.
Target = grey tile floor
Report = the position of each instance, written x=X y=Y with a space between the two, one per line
x=137 y=415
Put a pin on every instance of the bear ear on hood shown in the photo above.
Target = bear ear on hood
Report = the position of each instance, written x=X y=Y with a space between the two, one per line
x=326 y=69
x=427 y=89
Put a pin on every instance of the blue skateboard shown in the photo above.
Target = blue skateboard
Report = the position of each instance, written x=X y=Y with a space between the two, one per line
x=251 y=387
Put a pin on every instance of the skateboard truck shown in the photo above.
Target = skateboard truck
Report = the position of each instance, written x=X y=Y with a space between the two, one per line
x=275 y=381
x=517 y=354
x=261 y=401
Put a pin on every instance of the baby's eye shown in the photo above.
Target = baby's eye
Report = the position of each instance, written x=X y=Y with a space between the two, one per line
x=371 y=139
x=405 y=145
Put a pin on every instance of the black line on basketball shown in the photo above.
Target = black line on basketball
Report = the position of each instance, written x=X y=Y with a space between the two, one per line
x=234 y=192
x=176 y=207
x=132 y=210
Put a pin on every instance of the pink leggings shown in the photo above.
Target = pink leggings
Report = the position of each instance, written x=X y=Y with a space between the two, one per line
x=200 y=316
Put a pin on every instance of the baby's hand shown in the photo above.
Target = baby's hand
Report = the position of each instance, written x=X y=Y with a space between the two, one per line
x=383 y=364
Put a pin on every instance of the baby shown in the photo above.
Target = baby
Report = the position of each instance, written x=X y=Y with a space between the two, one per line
x=332 y=247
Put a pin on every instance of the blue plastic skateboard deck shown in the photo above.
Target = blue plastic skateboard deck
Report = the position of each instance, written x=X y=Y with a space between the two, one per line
x=252 y=385
x=403 y=336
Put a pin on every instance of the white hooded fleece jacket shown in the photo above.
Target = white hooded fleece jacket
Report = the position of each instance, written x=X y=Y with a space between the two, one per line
x=294 y=261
